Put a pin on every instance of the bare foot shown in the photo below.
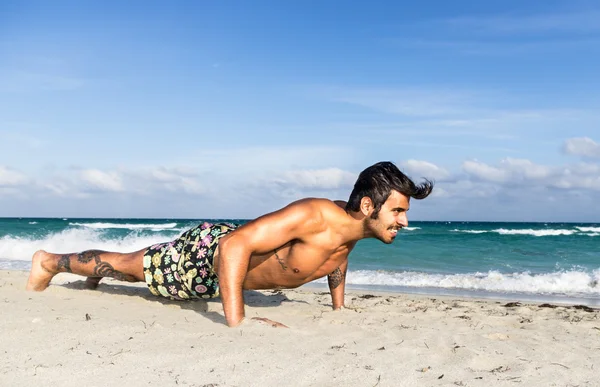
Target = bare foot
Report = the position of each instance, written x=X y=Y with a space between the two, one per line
x=39 y=277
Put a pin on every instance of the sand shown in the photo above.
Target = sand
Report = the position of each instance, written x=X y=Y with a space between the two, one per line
x=119 y=334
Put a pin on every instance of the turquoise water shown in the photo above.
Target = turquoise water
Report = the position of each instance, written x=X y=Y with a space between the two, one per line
x=550 y=261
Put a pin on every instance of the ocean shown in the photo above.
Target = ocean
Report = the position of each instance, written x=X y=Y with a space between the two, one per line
x=549 y=262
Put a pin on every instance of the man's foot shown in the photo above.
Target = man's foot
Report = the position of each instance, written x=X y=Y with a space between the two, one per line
x=39 y=277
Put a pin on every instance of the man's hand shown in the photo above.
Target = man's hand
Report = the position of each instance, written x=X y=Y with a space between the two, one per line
x=337 y=285
x=234 y=257
x=274 y=324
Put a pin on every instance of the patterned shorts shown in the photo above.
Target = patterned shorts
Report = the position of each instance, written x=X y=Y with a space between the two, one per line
x=183 y=269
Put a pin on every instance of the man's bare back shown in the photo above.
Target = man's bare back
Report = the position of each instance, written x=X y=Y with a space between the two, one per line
x=304 y=241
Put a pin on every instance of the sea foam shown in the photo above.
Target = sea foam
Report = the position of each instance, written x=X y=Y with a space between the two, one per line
x=573 y=282
x=77 y=239
x=532 y=232
x=470 y=231
x=130 y=226
x=551 y=232
x=588 y=229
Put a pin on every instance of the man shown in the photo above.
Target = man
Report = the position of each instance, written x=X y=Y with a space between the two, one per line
x=306 y=240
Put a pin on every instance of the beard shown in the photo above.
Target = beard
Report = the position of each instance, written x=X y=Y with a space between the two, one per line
x=382 y=232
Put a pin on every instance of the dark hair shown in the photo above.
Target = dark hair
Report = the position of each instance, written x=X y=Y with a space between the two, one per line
x=377 y=183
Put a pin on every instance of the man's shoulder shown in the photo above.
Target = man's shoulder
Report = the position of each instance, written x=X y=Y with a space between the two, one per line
x=319 y=210
x=319 y=204
x=307 y=216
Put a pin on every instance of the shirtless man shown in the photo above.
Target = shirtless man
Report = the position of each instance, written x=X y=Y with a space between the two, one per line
x=306 y=240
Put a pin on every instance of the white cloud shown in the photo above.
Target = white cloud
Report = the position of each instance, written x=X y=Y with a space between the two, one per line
x=164 y=175
x=151 y=182
x=584 y=169
x=188 y=185
x=582 y=146
x=581 y=176
x=58 y=188
x=63 y=188
x=103 y=181
x=465 y=189
x=320 y=179
x=175 y=190
x=511 y=172
x=10 y=177
x=526 y=169
x=485 y=172
x=417 y=168
x=163 y=179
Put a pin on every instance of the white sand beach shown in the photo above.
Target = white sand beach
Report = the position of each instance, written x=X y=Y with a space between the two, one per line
x=119 y=334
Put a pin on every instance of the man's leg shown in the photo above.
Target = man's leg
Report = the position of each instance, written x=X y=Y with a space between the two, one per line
x=93 y=264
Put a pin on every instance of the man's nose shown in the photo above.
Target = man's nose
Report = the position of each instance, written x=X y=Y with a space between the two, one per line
x=402 y=220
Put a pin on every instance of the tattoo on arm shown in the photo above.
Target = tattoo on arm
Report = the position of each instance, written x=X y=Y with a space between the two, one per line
x=283 y=265
x=336 y=278
x=64 y=264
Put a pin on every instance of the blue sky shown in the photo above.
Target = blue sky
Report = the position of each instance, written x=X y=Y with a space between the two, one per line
x=233 y=109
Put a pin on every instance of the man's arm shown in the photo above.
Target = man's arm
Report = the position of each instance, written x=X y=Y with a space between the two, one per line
x=260 y=236
x=337 y=285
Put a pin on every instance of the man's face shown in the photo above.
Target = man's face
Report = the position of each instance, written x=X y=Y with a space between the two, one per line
x=391 y=218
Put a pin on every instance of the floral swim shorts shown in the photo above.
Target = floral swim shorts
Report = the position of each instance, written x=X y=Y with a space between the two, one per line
x=183 y=269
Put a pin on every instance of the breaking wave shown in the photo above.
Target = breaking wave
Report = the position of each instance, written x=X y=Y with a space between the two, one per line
x=130 y=226
x=573 y=282
x=590 y=231
x=77 y=239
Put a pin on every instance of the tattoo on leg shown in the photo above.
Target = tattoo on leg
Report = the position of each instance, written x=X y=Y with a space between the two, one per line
x=283 y=265
x=87 y=256
x=105 y=269
x=102 y=269
x=336 y=278
x=64 y=264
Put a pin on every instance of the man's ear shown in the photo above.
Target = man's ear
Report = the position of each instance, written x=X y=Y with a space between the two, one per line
x=366 y=206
